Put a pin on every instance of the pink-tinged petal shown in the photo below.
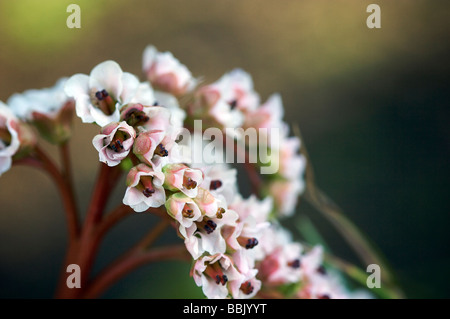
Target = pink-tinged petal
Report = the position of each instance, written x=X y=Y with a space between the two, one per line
x=134 y=199
x=77 y=86
x=130 y=85
x=107 y=75
x=5 y=163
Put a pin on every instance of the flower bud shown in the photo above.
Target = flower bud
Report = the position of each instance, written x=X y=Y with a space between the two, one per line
x=114 y=142
x=9 y=137
x=144 y=189
x=181 y=177
x=166 y=73
x=183 y=209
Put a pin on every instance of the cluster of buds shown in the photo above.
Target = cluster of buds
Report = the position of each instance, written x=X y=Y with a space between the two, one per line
x=237 y=246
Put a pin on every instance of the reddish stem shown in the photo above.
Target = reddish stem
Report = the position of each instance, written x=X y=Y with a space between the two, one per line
x=84 y=250
x=131 y=261
x=65 y=190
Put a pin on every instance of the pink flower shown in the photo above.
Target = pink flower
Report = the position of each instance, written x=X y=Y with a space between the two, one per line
x=253 y=220
x=205 y=234
x=154 y=147
x=166 y=73
x=179 y=177
x=216 y=274
x=282 y=257
x=9 y=137
x=114 y=142
x=292 y=164
x=285 y=194
x=220 y=179
x=144 y=189
x=226 y=100
x=183 y=209
x=100 y=95
x=49 y=109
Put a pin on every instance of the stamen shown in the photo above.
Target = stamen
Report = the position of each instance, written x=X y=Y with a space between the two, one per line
x=117 y=143
x=215 y=184
x=5 y=137
x=233 y=104
x=187 y=212
x=247 y=242
x=325 y=296
x=321 y=270
x=147 y=186
x=208 y=225
x=220 y=212
x=247 y=288
x=161 y=151
x=295 y=263
x=104 y=102
x=215 y=272
x=189 y=183
x=135 y=117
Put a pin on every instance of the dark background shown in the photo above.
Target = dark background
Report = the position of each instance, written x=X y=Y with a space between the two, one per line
x=372 y=106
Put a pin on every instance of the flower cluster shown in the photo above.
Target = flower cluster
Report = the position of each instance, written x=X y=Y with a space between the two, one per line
x=238 y=247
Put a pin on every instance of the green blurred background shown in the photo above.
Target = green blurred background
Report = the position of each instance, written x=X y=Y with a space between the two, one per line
x=372 y=106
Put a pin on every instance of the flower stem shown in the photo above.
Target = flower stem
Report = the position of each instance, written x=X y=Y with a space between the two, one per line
x=131 y=261
x=66 y=191
x=83 y=251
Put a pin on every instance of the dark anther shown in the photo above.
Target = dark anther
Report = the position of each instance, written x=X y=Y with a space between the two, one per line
x=161 y=151
x=210 y=226
x=189 y=183
x=324 y=297
x=148 y=192
x=247 y=288
x=187 y=211
x=215 y=184
x=136 y=117
x=251 y=242
x=116 y=145
x=295 y=263
x=233 y=104
x=100 y=95
x=156 y=103
x=321 y=270
x=220 y=212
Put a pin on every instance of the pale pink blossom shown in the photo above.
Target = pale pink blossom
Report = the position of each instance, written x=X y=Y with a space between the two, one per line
x=285 y=194
x=154 y=147
x=183 y=209
x=145 y=188
x=216 y=274
x=166 y=73
x=179 y=177
x=100 y=95
x=114 y=142
x=9 y=137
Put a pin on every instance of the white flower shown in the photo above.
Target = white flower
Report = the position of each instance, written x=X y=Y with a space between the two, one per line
x=281 y=262
x=166 y=73
x=155 y=148
x=266 y=119
x=183 y=209
x=292 y=164
x=205 y=234
x=215 y=274
x=46 y=101
x=114 y=142
x=100 y=95
x=285 y=194
x=144 y=189
x=9 y=137
x=220 y=180
x=183 y=178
